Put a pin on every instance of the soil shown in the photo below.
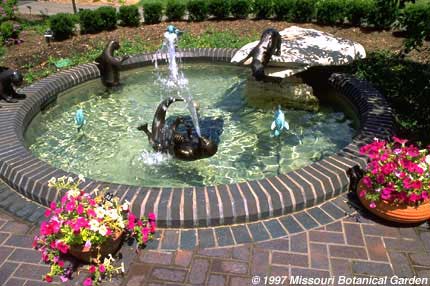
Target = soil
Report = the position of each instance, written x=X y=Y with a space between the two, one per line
x=98 y=2
x=34 y=51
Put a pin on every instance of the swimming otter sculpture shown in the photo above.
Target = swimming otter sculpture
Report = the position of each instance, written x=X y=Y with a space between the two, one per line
x=8 y=79
x=270 y=44
x=109 y=65
x=186 y=148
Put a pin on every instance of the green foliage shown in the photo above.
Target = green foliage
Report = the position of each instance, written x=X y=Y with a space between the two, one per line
x=263 y=9
x=2 y=50
x=358 y=10
x=129 y=16
x=108 y=17
x=240 y=8
x=215 y=39
x=7 y=9
x=384 y=13
x=330 y=12
x=197 y=9
x=152 y=12
x=175 y=10
x=406 y=85
x=283 y=9
x=304 y=10
x=90 y=21
x=62 y=24
x=415 y=19
x=219 y=8
x=8 y=30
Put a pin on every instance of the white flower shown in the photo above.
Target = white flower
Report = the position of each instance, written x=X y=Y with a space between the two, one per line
x=122 y=267
x=94 y=225
x=103 y=230
x=81 y=178
x=125 y=205
x=52 y=181
x=70 y=180
x=113 y=214
x=100 y=212
x=428 y=159
x=73 y=193
x=423 y=166
x=121 y=222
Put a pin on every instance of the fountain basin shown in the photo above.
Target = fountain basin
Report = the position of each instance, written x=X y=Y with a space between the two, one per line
x=197 y=205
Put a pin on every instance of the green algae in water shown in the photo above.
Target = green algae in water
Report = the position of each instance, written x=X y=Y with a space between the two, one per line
x=110 y=147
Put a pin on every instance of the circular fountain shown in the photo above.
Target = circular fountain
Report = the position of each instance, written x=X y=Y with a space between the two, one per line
x=252 y=176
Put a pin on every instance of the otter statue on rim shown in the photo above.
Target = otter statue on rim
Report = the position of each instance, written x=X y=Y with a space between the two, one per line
x=169 y=140
x=270 y=44
x=109 y=65
x=8 y=79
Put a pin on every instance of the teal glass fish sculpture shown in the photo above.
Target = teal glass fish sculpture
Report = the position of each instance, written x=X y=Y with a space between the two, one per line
x=279 y=123
x=80 y=119
x=172 y=29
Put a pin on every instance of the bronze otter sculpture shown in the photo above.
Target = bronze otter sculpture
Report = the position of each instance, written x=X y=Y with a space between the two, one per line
x=8 y=79
x=270 y=44
x=109 y=65
x=169 y=140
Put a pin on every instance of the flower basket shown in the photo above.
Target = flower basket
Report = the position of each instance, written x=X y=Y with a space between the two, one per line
x=397 y=212
x=97 y=253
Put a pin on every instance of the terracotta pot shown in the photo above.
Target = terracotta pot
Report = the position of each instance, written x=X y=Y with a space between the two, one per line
x=401 y=213
x=110 y=246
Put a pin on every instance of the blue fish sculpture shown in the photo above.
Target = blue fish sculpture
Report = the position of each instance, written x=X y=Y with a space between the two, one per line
x=172 y=29
x=80 y=119
x=279 y=123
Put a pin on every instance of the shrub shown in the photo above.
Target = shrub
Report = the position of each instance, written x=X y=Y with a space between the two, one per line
x=90 y=21
x=152 y=12
x=7 y=9
x=9 y=32
x=304 y=10
x=406 y=86
x=197 y=9
x=175 y=10
x=62 y=24
x=329 y=12
x=108 y=17
x=263 y=9
x=416 y=20
x=358 y=10
x=240 y=8
x=384 y=13
x=283 y=9
x=129 y=16
x=219 y=8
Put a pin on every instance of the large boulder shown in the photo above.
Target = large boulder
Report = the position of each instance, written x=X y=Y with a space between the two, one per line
x=302 y=48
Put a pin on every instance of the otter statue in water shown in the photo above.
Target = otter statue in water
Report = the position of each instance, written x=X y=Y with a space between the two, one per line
x=270 y=44
x=169 y=140
x=8 y=79
x=109 y=65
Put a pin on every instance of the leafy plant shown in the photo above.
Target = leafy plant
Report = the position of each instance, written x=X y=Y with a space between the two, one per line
x=283 y=9
x=9 y=33
x=304 y=10
x=240 y=8
x=415 y=19
x=7 y=9
x=129 y=16
x=219 y=8
x=152 y=12
x=175 y=10
x=329 y=12
x=63 y=25
x=358 y=10
x=263 y=9
x=108 y=17
x=197 y=9
x=384 y=13
x=90 y=21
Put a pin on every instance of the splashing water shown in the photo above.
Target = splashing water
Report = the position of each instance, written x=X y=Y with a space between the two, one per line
x=153 y=158
x=177 y=80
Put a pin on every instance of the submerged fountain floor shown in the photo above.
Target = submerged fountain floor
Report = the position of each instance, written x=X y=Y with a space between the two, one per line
x=110 y=148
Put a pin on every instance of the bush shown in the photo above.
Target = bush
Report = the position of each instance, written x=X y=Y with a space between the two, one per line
x=304 y=10
x=283 y=9
x=7 y=9
x=175 y=10
x=406 y=86
x=240 y=8
x=90 y=21
x=197 y=9
x=358 y=10
x=9 y=32
x=108 y=17
x=62 y=24
x=329 y=12
x=263 y=9
x=129 y=16
x=219 y=8
x=416 y=20
x=384 y=13
x=152 y=12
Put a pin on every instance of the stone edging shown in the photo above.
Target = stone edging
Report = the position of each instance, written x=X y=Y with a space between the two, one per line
x=196 y=206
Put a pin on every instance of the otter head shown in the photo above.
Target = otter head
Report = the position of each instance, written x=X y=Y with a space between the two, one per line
x=17 y=78
x=115 y=45
x=207 y=147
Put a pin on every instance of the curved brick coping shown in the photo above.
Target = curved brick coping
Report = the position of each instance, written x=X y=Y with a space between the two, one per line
x=194 y=206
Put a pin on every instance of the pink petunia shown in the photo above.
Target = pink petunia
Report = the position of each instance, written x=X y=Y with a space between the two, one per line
x=367 y=181
x=151 y=216
x=102 y=268
x=62 y=247
x=400 y=141
x=88 y=282
x=131 y=220
x=372 y=205
x=79 y=209
x=92 y=269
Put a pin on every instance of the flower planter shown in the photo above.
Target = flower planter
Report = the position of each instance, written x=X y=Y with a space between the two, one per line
x=401 y=213
x=110 y=246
